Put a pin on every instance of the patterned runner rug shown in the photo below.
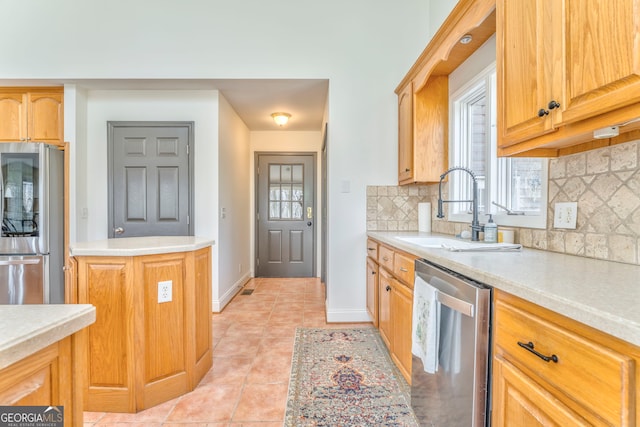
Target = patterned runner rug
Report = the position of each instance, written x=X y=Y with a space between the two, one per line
x=345 y=377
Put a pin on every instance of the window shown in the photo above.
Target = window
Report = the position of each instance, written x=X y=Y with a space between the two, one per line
x=516 y=184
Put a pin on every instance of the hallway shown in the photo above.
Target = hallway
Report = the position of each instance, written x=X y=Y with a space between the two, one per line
x=253 y=343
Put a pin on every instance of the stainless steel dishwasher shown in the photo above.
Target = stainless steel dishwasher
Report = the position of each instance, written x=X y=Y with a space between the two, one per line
x=451 y=365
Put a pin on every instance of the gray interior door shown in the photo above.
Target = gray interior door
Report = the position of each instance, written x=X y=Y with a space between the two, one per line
x=285 y=230
x=150 y=179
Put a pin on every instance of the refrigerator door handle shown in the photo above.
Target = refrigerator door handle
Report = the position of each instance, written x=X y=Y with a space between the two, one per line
x=20 y=261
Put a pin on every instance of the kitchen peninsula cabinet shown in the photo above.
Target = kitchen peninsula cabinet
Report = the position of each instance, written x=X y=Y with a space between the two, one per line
x=423 y=94
x=32 y=115
x=395 y=303
x=564 y=70
x=151 y=342
x=39 y=358
x=551 y=370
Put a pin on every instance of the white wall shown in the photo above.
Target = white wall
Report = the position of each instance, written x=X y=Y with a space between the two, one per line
x=364 y=48
x=292 y=142
x=438 y=12
x=234 y=195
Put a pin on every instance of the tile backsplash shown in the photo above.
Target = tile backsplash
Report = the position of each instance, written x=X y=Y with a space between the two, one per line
x=604 y=182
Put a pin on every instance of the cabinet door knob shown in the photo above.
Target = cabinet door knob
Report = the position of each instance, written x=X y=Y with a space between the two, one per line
x=407 y=170
x=388 y=288
x=553 y=105
x=542 y=112
x=373 y=272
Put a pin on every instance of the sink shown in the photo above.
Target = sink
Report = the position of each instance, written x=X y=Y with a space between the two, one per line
x=458 y=245
x=428 y=242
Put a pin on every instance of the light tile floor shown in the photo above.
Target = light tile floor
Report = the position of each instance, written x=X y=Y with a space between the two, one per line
x=253 y=343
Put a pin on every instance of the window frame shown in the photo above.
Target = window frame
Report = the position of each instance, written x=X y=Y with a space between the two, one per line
x=459 y=156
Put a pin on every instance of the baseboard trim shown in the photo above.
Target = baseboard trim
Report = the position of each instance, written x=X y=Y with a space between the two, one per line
x=218 y=304
x=347 y=316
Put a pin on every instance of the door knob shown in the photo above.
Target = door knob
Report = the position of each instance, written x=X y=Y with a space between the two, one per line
x=309 y=223
x=118 y=230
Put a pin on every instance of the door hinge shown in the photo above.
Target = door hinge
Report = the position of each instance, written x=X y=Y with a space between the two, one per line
x=258 y=216
x=187 y=149
x=188 y=220
x=257 y=261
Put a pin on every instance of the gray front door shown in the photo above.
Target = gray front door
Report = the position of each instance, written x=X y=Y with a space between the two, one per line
x=150 y=179
x=285 y=231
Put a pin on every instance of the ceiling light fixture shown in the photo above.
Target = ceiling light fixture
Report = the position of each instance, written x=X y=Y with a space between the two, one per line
x=281 y=119
x=466 y=39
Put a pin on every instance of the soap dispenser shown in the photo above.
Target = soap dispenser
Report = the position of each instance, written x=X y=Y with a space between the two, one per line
x=490 y=231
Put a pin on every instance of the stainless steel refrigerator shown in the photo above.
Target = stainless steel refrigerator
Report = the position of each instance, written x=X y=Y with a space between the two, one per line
x=32 y=236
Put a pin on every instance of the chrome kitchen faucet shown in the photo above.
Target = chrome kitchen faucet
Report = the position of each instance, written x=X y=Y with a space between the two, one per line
x=476 y=228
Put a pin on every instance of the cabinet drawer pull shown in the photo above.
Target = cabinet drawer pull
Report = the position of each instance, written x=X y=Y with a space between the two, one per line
x=529 y=347
x=384 y=258
x=404 y=270
x=371 y=249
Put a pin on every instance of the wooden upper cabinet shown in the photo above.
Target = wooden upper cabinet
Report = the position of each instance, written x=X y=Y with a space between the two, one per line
x=525 y=70
x=13 y=116
x=565 y=69
x=405 y=134
x=423 y=140
x=32 y=114
x=45 y=118
x=423 y=94
x=602 y=56
x=431 y=130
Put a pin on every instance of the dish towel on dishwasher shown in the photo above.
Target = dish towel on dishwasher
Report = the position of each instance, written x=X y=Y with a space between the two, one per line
x=425 y=329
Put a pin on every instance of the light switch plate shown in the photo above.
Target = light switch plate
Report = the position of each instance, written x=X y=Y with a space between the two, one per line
x=566 y=214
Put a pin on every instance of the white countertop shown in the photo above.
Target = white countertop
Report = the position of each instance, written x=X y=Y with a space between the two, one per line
x=29 y=328
x=602 y=294
x=134 y=246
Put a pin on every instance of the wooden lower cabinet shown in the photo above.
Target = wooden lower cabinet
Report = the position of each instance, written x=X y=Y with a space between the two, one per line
x=142 y=352
x=384 y=307
x=552 y=370
x=47 y=377
x=518 y=400
x=372 y=290
x=394 y=302
x=401 y=311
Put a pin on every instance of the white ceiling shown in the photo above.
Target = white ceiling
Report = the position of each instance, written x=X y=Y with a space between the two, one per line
x=253 y=99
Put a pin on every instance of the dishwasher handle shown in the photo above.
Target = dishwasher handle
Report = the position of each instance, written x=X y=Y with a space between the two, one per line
x=455 y=303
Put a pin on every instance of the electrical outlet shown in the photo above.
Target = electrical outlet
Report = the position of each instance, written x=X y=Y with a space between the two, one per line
x=565 y=215
x=165 y=291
